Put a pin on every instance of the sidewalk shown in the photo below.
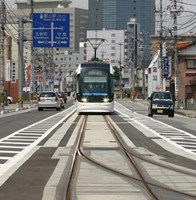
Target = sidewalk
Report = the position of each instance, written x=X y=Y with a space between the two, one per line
x=16 y=108
x=188 y=113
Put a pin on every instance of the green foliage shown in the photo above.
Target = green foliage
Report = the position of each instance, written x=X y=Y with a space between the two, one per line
x=116 y=73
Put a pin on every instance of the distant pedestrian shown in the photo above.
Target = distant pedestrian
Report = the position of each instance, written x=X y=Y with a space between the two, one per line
x=133 y=94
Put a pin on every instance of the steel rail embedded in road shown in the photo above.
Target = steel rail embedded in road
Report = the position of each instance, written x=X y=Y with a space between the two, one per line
x=134 y=157
x=154 y=189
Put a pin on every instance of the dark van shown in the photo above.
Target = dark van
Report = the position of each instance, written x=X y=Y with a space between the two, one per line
x=161 y=103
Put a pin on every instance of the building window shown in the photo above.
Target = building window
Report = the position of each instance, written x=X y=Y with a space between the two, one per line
x=113 y=35
x=191 y=64
x=113 y=48
x=113 y=41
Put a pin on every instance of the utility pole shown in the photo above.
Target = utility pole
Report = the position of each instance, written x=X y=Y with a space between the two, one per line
x=9 y=57
x=120 y=68
x=120 y=59
x=2 y=35
x=142 y=49
x=20 y=63
x=32 y=80
x=161 y=46
x=132 y=30
x=176 y=52
x=175 y=11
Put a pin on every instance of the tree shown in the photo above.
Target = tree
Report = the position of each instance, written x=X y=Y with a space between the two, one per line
x=116 y=73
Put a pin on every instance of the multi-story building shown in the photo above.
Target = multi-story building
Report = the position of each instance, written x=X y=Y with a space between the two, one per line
x=181 y=80
x=111 y=49
x=44 y=58
x=115 y=14
x=66 y=64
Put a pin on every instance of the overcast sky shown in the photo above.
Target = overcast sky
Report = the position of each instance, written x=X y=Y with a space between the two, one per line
x=186 y=20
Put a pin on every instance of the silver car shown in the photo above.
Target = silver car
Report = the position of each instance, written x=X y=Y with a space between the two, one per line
x=48 y=99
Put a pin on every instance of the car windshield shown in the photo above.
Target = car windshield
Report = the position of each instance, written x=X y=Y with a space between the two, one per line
x=162 y=95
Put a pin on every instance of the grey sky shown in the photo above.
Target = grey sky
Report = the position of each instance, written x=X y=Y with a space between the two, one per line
x=186 y=20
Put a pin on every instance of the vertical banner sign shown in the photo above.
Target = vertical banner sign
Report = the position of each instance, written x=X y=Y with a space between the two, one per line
x=166 y=67
x=13 y=72
x=8 y=68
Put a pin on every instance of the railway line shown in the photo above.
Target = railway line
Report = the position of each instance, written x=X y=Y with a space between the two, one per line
x=105 y=163
x=124 y=155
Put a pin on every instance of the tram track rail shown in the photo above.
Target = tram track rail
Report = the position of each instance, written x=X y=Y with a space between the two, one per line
x=148 y=184
x=132 y=155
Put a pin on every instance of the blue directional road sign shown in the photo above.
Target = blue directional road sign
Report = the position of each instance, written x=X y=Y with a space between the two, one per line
x=51 y=30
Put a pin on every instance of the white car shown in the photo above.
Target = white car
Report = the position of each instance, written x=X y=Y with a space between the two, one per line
x=49 y=99
x=10 y=99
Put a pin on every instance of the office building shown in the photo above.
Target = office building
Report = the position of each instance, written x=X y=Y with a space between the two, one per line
x=44 y=59
x=115 y=14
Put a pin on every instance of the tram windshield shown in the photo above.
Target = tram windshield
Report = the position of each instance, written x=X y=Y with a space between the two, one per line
x=96 y=85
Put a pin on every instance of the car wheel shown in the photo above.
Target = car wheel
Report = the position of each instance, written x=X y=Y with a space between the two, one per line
x=40 y=109
x=150 y=113
x=172 y=115
x=9 y=102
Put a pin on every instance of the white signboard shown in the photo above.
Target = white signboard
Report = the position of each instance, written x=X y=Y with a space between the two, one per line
x=7 y=75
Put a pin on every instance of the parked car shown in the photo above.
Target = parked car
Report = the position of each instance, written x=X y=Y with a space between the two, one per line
x=10 y=99
x=161 y=103
x=63 y=95
x=49 y=99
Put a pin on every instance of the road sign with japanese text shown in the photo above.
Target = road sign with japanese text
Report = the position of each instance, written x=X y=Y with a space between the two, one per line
x=51 y=30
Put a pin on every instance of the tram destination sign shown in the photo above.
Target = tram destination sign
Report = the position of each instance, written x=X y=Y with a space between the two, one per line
x=51 y=30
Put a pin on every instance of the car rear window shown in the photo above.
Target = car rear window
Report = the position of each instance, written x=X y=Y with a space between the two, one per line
x=50 y=94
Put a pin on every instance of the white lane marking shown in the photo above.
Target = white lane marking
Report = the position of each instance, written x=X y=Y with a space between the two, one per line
x=55 y=121
x=157 y=127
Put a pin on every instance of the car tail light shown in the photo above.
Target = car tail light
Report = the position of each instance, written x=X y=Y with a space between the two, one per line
x=38 y=98
x=56 y=99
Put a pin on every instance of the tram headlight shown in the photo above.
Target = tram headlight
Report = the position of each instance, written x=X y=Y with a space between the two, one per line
x=84 y=99
x=105 y=100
